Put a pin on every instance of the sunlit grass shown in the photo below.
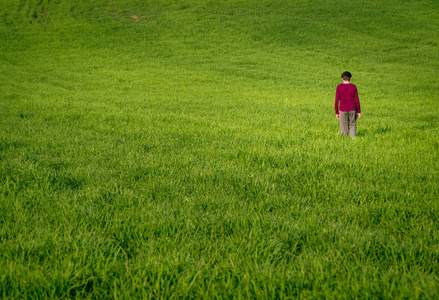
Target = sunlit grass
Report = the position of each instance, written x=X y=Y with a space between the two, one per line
x=193 y=151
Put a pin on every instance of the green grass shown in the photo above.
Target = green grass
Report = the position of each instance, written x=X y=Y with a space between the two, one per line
x=194 y=153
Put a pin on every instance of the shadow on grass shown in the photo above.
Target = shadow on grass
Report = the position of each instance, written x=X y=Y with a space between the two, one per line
x=362 y=133
x=383 y=129
x=379 y=130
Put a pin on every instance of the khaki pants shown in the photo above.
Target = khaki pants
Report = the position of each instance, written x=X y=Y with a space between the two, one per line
x=348 y=122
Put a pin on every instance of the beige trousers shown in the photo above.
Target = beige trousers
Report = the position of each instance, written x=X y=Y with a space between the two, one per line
x=348 y=123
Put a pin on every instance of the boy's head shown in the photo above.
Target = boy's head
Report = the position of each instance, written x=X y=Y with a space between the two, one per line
x=346 y=76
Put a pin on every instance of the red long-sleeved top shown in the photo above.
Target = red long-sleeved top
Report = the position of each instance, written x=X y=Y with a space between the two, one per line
x=347 y=95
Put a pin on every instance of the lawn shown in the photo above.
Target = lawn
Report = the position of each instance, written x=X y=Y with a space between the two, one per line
x=189 y=149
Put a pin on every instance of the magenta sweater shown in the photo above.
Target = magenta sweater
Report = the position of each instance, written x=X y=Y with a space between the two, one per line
x=347 y=95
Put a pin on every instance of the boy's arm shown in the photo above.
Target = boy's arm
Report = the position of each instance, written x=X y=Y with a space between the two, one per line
x=337 y=99
x=357 y=103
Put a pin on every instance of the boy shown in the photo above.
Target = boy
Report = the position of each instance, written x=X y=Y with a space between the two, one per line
x=350 y=111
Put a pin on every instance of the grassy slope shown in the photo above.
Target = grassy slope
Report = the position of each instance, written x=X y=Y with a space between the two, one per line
x=195 y=152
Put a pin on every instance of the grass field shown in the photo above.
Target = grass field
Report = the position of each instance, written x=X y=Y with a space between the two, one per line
x=189 y=149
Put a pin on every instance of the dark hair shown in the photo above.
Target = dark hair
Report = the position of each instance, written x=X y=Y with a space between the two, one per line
x=346 y=75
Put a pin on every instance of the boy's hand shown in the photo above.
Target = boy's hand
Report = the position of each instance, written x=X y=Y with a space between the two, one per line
x=358 y=115
x=337 y=116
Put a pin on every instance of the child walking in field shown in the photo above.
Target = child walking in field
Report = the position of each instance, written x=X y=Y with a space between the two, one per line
x=349 y=111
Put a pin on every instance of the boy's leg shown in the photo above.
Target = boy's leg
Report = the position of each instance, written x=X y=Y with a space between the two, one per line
x=353 y=123
x=344 y=122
